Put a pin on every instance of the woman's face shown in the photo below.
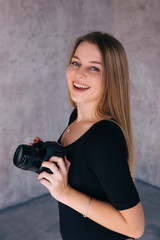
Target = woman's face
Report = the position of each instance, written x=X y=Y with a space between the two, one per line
x=84 y=74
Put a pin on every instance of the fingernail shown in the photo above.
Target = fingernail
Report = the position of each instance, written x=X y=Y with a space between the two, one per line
x=53 y=141
x=41 y=164
x=35 y=140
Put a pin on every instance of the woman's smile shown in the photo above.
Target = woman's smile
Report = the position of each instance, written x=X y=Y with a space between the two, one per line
x=80 y=87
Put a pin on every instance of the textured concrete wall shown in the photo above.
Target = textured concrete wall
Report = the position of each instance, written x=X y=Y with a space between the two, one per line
x=137 y=25
x=35 y=40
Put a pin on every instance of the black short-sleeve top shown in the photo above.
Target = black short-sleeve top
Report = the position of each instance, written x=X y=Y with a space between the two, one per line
x=99 y=169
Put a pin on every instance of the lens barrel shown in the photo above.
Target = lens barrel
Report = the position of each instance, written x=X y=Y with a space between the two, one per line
x=27 y=158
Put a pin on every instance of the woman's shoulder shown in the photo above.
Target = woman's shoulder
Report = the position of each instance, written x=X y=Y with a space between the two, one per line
x=106 y=134
x=106 y=128
x=105 y=139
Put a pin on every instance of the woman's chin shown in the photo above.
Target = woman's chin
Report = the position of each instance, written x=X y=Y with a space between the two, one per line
x=76 y=98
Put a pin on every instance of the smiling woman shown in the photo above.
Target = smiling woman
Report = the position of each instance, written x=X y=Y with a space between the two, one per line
x=94 y=186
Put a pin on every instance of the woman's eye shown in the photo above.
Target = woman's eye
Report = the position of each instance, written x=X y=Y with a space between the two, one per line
x=75 y=64
x=95 y=69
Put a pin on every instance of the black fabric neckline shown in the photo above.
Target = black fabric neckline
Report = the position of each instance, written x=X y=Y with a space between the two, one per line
x=84 y=134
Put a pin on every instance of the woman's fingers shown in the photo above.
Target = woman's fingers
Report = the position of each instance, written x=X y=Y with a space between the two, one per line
x=61 y=164
x=37 y=139
x=30 y=144
x=46 y=176
x=51 y=166
x=46 y=183
x=45 y=179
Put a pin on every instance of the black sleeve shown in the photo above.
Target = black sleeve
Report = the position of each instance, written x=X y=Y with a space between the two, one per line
x=106 y=153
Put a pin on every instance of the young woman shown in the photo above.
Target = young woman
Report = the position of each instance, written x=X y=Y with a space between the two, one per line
x=94 y=186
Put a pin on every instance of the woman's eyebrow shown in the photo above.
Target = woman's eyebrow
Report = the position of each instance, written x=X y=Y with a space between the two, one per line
x=96 y=62
x=90 y=61
x=76 y=57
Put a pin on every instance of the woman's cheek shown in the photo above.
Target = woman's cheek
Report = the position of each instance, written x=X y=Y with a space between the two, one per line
x=69 y=75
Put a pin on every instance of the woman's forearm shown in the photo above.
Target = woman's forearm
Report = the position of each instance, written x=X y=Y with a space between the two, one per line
x=104 y=213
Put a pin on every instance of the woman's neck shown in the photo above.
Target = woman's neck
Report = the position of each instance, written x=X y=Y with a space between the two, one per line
x=86 y=112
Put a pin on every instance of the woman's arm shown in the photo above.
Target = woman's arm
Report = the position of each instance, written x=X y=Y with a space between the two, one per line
x=129 y=222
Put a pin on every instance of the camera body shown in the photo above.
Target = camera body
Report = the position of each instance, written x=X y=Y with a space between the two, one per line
x=31 y=157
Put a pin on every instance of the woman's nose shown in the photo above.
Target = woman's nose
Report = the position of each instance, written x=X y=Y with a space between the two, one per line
x=81 y=72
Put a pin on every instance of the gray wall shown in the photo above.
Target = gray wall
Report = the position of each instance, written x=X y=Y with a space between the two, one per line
x=35 y=41
x=137 y=25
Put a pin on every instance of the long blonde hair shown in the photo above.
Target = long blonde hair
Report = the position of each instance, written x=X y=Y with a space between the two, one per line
x=114 y=100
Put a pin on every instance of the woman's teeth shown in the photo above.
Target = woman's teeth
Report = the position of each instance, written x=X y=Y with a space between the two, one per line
x=80 y=86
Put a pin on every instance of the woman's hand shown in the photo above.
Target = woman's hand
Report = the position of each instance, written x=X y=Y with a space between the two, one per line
x=57 y=183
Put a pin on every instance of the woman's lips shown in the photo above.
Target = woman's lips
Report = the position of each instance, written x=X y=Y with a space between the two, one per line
x=80 y=87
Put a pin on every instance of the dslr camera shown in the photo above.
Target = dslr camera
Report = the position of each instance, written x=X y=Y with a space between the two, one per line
x=31 y=157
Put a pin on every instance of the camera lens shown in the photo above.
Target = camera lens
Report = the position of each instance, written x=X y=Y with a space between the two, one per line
x=19 y=157
x=24 y=158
